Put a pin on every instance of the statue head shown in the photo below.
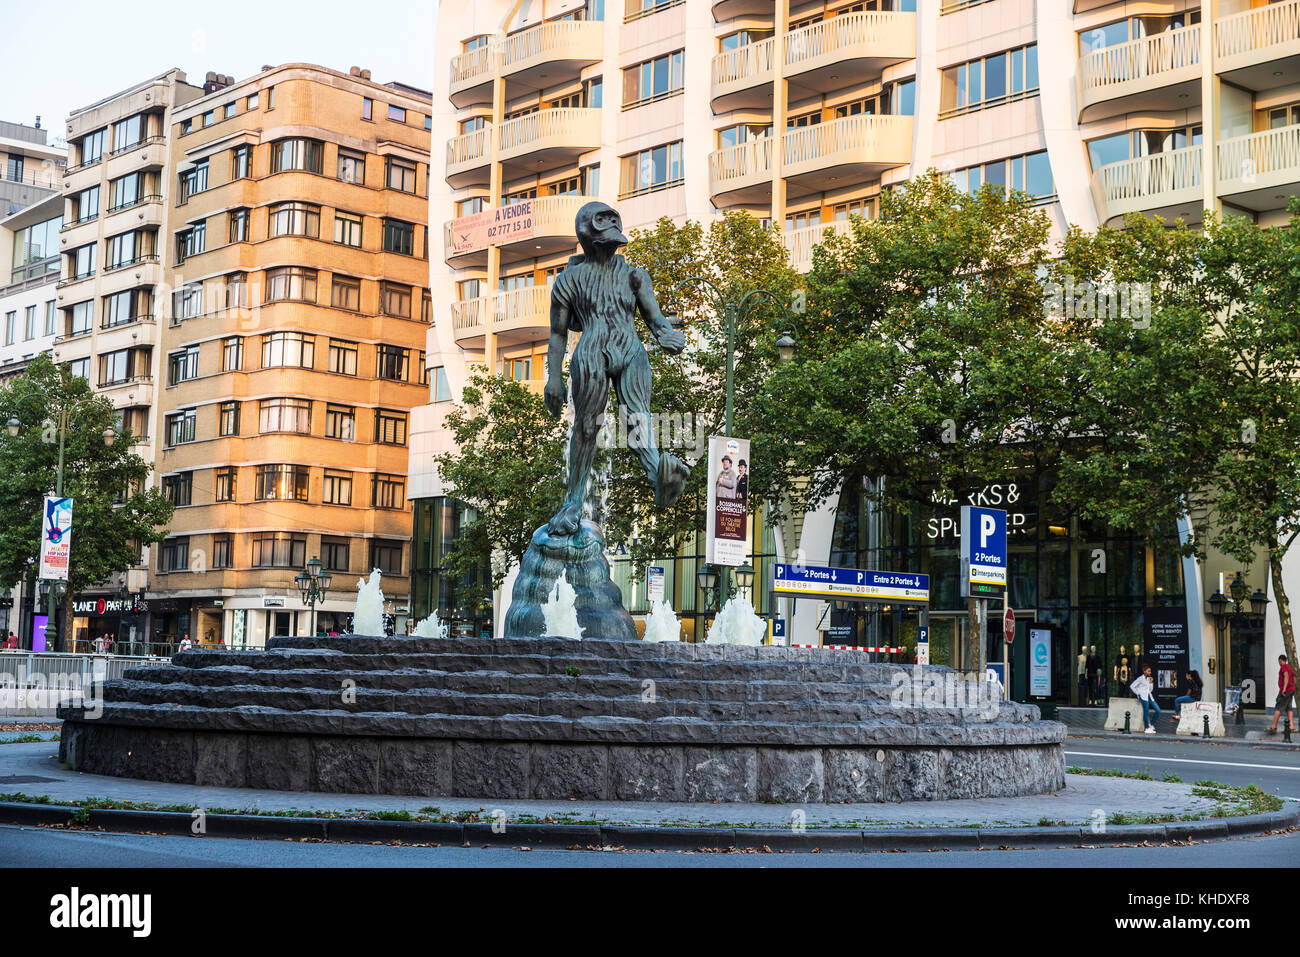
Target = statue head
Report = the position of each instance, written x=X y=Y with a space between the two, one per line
x=600 y=230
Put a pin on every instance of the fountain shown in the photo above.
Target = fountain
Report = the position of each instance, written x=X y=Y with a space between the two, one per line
x=430 y=627
x=537 y=715
x=368 y=619
x=737 y=624
x=561 y=611
x=662 y=625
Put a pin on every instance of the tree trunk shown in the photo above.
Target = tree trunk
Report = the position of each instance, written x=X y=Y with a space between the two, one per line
x=1283 y=603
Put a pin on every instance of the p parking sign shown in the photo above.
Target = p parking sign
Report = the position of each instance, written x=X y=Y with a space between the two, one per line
x=983 y=551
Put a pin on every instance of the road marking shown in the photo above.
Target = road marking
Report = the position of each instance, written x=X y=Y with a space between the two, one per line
x=1151 y=757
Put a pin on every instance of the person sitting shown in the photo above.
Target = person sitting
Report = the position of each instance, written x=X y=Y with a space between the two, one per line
x=1192 y=688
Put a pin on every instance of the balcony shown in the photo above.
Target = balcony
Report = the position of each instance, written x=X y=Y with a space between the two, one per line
x=847 y=50
x=469 y=321
x=730 y=9
x=1260 y=48
x=541 y=56
x=1160 y=72
x=1260 y=171
x=537 y=227
x=742 y=78
x=468 y=158
x=139 y=331
x=845 y=152
x=549 y=54
x=742 y=174
x=1164 y=184
x=799 y=243
x=520 y=315
x=547 y=140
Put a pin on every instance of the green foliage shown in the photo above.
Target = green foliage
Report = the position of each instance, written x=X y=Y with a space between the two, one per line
x=114 y=513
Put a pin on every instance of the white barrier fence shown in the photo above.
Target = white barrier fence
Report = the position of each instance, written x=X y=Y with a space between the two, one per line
x=35 y=684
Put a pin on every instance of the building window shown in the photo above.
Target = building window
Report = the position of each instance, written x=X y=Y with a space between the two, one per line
x=11 y=327
x=281 y=483
x=237 y=290
x=124 y=191
x=241 y=161
x=657 y=168
x=191 y=242
x=86 y=205
x=174 y=555
x=636 y=9
x=401 y=174
x=80 y=318
x=288 y=349
x=426 y=307
x=352 y=166
x=346 y=294
x=343 y=357
x=988 y=82
x=223 y=547
x=386 y=556
x=295 y=219
x=390 y=427
x=291 y=282
x=296 y=154
x=441 y=388
x=399 y=237
x=284 y=415
x=92 y=147
x=340 y=422
x=50 y=313
x=183 y=365
x=194 y=180
x=367 y=108
x=347 y=229
x=123 y=308
x=223 y=485
x=127 y=132
x=229 y=419
x=652 y=80
x=81 y=262
x=239 y=225
x=178 y=488
x=392 y=363
x=278 y=550
x=115 y=367
x=180 y=427
x=337 y=488
x=334 y=554
x=395 y=300
x=396 y=113
x=389 y=491
x=123 y=249
x=1031 y=173
x=187 y=302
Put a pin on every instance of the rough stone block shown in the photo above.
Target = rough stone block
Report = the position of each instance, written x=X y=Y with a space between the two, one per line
x=791 y=775
x=490 y=769
x=721 y=774
x=279 y=762
x=853 y=776
x=349 y=764
x=646 y=773
x=421 y=767
x=220 y=760
x=569 y=771
x=911 y=775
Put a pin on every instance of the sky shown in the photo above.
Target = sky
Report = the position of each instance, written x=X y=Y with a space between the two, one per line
x=59 y=56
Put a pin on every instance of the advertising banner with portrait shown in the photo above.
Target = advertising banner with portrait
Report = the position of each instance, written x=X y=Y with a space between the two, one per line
x=726 y=540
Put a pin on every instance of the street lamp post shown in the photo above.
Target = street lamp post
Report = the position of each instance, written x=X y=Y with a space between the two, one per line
x=733 y=311
x=65 y=415
x=313 y=582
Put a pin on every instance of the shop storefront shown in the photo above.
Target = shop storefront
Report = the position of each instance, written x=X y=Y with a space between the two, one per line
x=109 y=620
x=458 y=600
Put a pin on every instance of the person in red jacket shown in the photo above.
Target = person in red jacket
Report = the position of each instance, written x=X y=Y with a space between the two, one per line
x=1285 y=695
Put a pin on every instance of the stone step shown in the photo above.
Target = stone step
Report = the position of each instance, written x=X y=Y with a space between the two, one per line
x=556 y=702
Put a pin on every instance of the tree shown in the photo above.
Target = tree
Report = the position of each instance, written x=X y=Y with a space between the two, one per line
x=1197 y=413
x=507 y=463
x=926 y=355
x=115 y=515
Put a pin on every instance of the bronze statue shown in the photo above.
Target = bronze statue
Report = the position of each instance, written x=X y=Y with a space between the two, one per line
x=598 y=294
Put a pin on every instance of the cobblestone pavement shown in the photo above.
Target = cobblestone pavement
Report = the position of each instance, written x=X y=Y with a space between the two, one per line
x=33 y=769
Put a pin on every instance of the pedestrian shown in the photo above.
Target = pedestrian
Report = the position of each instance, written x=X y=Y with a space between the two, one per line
x=186 y=644
x=1192 y=687
x=1285 y=695
x=1144 y=690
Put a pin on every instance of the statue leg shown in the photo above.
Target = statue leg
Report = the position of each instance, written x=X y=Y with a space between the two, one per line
x=665 y=472
x=589 y=386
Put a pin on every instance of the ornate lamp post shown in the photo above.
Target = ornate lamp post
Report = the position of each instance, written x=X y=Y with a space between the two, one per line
x=312 y=583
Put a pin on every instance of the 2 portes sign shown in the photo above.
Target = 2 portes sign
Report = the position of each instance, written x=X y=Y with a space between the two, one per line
x=983 y=552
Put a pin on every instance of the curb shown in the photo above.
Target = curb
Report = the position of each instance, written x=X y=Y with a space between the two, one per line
x=1073 y=734
x=357 y=830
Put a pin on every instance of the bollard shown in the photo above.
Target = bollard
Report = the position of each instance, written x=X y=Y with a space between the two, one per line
x=1286 y=732
x=1241 y=715
x=1127 y=716
x=1206 y=719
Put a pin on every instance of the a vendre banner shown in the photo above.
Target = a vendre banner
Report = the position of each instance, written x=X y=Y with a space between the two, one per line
x=502 y=224
x=726 y=541
x=56 y=538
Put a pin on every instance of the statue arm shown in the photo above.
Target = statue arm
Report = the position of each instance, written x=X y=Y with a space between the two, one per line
x=670 y=339
x=554 y=393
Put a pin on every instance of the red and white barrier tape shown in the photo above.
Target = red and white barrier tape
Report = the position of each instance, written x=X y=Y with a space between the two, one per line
x=888 y=651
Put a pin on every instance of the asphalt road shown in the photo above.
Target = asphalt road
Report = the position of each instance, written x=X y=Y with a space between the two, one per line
x=40 y=847
x=1275 y=770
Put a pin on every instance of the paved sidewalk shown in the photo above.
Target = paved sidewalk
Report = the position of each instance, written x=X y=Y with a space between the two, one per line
x=1266 y=741
x=33 y=769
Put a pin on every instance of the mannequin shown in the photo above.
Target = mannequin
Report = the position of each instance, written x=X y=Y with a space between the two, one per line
x=1123 y=672
x=1095 y=679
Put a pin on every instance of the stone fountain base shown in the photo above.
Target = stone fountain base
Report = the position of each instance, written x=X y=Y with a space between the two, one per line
x=552 y=718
